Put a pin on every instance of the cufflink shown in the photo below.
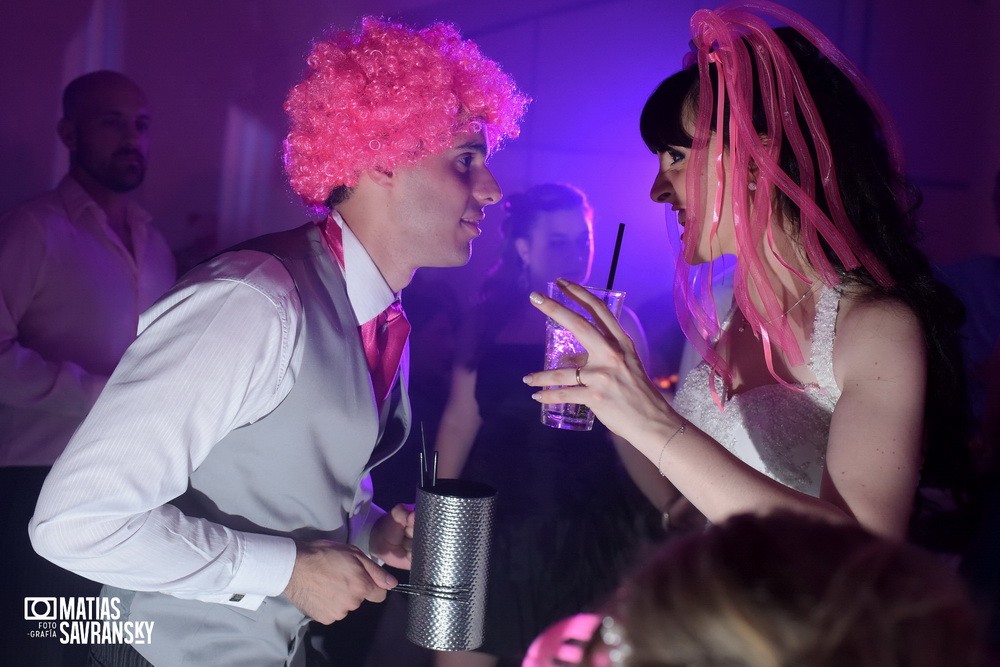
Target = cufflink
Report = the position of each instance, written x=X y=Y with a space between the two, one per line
x=236 y=597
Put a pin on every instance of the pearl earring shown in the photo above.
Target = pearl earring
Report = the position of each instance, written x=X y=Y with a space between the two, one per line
x=751 y=186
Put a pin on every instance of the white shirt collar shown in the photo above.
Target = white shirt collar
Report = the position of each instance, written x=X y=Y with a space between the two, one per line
x=368 y=291
x=79 y=203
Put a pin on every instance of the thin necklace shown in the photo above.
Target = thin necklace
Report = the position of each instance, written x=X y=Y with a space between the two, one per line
x=792 y=307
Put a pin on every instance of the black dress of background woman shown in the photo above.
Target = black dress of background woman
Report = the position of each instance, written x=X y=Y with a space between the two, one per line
x=570 y=520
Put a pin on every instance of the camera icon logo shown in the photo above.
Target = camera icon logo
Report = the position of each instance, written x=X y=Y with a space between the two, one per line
x=40 y=609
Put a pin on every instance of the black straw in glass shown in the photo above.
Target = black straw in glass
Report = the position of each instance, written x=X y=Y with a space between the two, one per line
x=614 y=257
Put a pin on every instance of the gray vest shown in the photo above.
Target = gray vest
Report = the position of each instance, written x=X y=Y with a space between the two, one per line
x=301 y=471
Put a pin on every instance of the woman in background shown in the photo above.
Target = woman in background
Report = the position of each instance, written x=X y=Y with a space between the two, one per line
x=564 y=533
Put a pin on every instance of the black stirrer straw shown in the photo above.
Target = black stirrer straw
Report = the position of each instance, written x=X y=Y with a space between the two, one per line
x=428 y=465
x=614 y=257
x=423 y=455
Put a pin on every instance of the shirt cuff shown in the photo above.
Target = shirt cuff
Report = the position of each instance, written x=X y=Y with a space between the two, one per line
x=264 y=571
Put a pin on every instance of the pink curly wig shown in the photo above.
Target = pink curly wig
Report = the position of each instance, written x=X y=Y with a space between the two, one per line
x=388 y=96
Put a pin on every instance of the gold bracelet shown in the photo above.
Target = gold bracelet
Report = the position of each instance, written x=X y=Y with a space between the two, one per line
x=659 y=460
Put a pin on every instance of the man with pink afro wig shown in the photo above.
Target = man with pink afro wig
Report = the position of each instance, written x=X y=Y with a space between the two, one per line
x=220 y=487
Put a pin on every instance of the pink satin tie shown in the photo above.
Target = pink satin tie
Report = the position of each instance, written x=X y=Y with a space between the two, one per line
x=383 y=336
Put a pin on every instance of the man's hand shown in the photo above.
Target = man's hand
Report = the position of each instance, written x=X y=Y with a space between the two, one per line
x=331 y=579
x=392 y=537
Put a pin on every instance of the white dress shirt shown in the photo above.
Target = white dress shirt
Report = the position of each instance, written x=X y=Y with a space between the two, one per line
x=70 y=298
x=217 y=352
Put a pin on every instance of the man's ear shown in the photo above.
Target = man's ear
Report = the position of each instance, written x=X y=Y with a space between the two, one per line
x=66 y=130
x=385 y=179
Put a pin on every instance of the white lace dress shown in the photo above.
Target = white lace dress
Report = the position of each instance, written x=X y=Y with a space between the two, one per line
x=778 y=431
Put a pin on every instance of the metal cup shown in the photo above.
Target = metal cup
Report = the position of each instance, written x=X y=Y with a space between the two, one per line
x=452 y=540
x=563 y=350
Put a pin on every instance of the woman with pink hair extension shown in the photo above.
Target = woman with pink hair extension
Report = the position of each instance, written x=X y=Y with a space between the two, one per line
x=412 y=89
x=832 y=385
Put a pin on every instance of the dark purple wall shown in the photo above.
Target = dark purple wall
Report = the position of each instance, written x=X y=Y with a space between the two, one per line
x=216 y=73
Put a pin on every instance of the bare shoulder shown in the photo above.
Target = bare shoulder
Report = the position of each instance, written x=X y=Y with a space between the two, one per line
x=875 y=333
x=875 y=317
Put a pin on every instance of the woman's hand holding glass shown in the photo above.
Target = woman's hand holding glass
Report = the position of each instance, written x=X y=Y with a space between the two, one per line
x=613 y=382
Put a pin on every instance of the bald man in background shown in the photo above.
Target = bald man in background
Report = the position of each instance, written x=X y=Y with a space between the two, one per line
x=78 y=265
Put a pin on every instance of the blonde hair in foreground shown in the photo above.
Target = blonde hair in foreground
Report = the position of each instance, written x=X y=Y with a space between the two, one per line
x=787 y=590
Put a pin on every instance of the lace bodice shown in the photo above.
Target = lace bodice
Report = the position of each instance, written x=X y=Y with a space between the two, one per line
x=778 y=431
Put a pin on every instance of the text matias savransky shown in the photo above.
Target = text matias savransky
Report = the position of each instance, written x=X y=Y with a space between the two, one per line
x=85 y=620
